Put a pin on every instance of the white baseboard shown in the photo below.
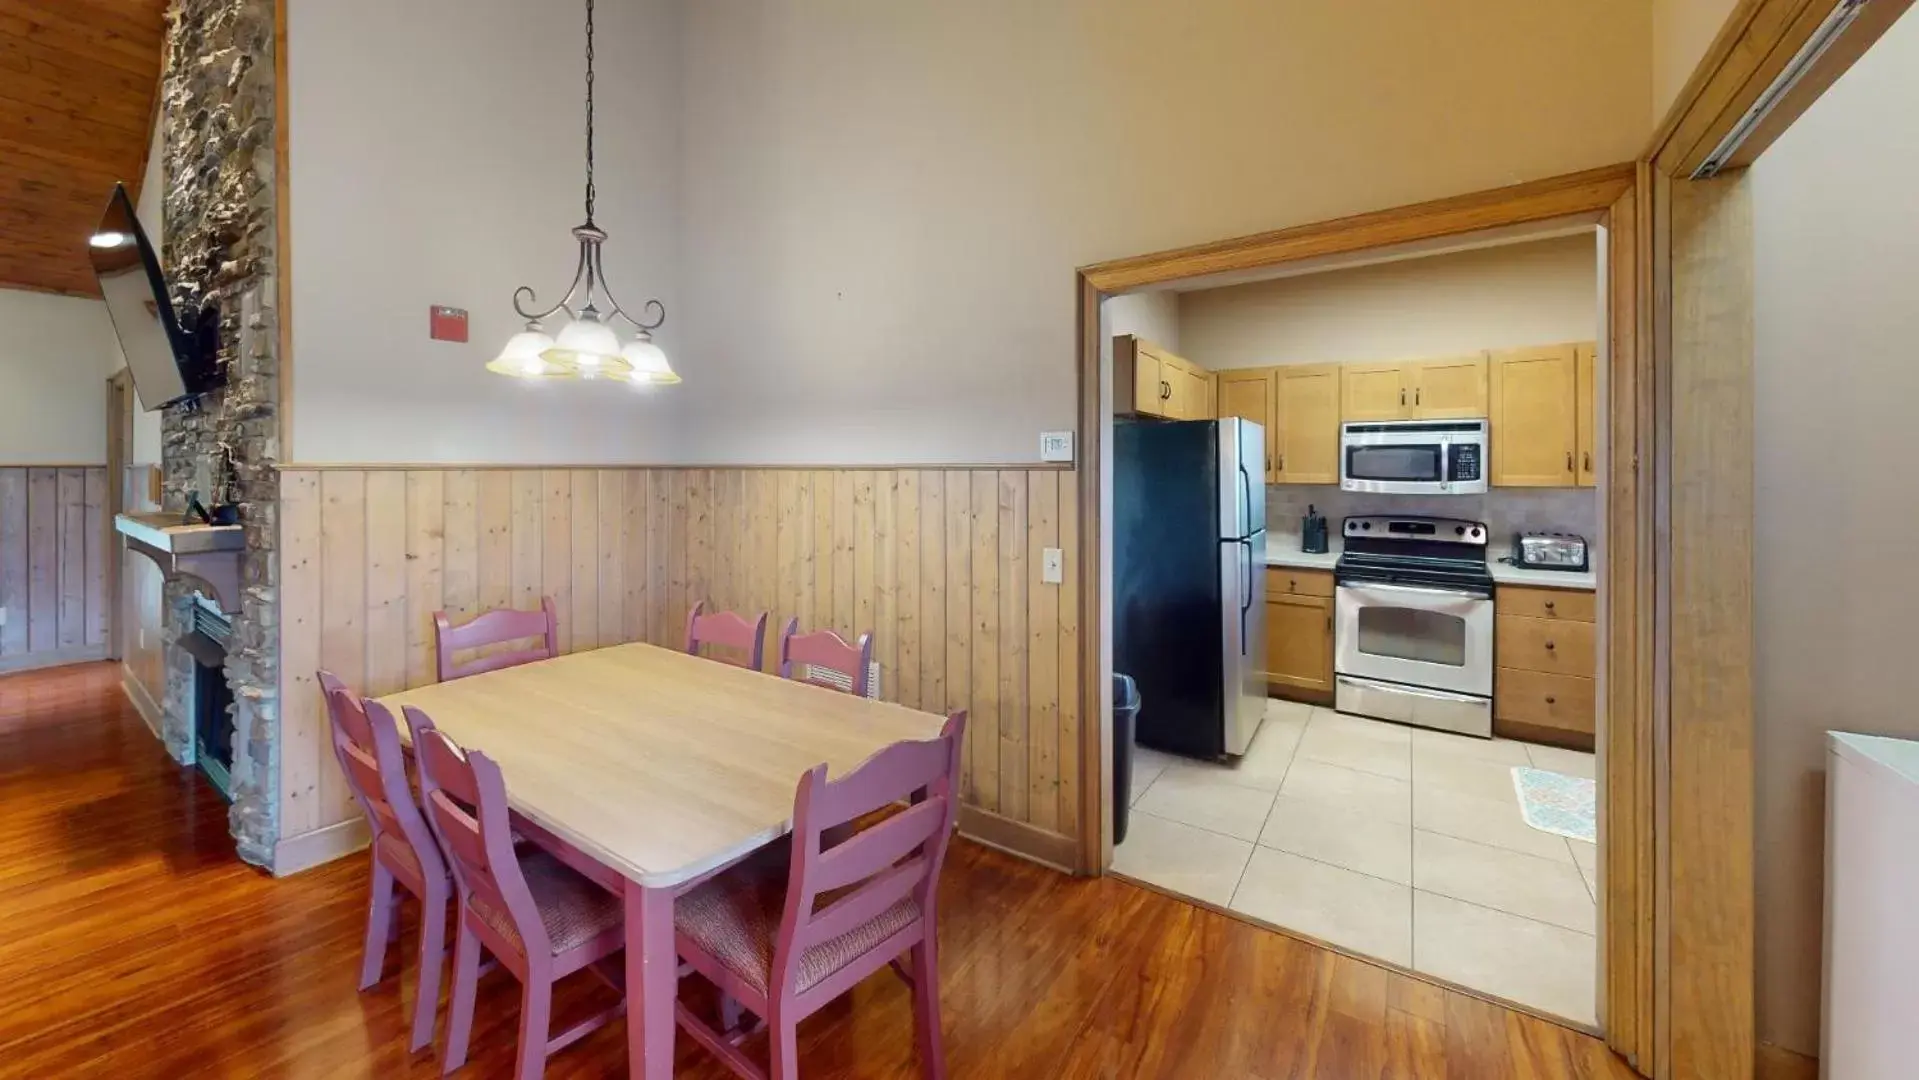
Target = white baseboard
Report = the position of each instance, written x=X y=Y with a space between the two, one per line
x=143 y=702
x=308 y=850
x=34 y=661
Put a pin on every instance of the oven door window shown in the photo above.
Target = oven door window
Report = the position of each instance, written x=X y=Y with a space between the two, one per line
x=1401 y=633
x=1418 y=463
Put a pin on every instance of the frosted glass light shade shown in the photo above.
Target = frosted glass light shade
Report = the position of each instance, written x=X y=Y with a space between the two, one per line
x=524 y=357
x=587 y=344
x=649 y=363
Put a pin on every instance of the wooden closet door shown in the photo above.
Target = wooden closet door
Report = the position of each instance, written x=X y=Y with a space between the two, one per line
x=1534 y=417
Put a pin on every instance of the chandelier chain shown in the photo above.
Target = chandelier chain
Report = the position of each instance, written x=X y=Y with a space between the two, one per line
x=592 y=192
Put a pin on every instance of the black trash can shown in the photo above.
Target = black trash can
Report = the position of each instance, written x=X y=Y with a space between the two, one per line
x=1125 y=720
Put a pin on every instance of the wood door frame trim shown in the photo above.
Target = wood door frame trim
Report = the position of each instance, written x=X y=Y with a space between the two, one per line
x=119 y=391
x=1599 y=195
x=1754 y=44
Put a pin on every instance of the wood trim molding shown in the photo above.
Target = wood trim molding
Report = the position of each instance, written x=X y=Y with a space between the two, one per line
x=1754 y=45
x=1709 y=932
x=1095 y=742
x=1018 y=838
x=1589 y=192
x=471 y=466
x=294 y=854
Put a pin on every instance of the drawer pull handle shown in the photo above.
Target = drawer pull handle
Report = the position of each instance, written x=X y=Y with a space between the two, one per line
x=1549 y=646
x=1551 y=700
x=1549 y=605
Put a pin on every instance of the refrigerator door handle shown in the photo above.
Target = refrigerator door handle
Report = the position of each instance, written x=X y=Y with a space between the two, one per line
x=1246 y=511
x=1246 y=598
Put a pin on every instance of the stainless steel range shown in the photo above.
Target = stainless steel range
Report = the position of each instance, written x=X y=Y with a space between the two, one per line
x=1414 y=603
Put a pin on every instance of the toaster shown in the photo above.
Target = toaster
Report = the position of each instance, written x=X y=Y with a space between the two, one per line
x=1550 y=551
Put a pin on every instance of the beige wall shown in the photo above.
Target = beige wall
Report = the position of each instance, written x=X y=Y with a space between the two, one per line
x=1836 y=255
x=1493 y=298
x=1150 y=315
x=440 y=159
x=884 y=202
x=1682 y=30
x=55 y=355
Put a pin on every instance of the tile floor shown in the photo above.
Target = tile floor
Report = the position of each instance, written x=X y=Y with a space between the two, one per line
x=1393 y=842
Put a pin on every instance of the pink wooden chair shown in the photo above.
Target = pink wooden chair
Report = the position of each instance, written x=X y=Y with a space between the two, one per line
x=823 y=658
x=759 y=938
x=497 y=627
x=729 y=630
x=542 y=920
x=367 y=743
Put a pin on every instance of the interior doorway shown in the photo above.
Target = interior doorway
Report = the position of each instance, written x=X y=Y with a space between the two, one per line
x=120 y=409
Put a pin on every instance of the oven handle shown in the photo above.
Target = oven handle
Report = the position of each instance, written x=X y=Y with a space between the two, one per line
x=1447 y=597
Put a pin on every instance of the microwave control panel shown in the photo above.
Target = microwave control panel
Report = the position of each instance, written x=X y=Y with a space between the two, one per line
x=1463 y=464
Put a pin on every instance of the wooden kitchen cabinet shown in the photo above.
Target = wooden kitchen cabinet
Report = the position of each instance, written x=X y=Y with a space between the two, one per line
x=1586 y=395
x=1449 y=389
x=1370 y=392
x=1453 y=389
x=1151 y=381
x=1248 y=394
x=1545 y=665
x=1306 y=409
x=1299 y=645
x=1534 y=416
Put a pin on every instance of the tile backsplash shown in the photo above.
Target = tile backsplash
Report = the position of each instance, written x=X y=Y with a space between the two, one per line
x=1504 y=510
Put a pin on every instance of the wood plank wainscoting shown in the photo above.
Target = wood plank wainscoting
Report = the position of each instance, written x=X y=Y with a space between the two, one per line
x=942 y=565
x=53 y=552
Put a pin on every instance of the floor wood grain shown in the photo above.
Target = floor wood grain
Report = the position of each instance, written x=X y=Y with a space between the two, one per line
x=133 y=945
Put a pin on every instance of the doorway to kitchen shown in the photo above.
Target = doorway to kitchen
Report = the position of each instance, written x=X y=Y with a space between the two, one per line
x=1421 y=784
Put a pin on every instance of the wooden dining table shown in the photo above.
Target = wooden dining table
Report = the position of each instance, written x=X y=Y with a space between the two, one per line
x=663 y=768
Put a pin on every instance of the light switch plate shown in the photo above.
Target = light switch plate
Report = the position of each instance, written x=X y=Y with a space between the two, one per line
x=1056 y=446
x=1052 y=566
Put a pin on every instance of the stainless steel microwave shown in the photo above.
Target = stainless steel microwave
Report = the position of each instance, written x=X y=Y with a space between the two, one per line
x=1413 y=457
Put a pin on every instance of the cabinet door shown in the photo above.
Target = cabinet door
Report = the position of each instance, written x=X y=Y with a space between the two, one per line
x=1587 y=357
x=1192 y=392
x=1450 y=389
x=1248 y=394
x=1375 y=392
x=1306 y=416
x=1535 y=429
x=1149 y=393
x=1299 y=642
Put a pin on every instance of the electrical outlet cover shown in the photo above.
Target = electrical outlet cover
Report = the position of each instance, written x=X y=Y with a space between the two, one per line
x=1052 y=566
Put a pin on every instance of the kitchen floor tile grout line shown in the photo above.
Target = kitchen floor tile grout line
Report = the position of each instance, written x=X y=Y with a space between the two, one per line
x=1510 y=914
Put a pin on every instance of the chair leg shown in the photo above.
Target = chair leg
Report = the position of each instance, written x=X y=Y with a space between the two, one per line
x=783 y=1047
x=466 y=983
x=432 y=955
x=379 y=926
x=926 y=1008
x=536 y=1007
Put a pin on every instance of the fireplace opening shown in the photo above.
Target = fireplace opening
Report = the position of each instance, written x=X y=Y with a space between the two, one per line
x=207 y=641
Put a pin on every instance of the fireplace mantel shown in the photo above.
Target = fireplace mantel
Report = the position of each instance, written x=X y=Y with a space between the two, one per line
x=208 y=553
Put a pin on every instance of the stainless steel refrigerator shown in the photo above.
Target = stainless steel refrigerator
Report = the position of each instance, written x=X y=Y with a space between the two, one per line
x=1189 y=581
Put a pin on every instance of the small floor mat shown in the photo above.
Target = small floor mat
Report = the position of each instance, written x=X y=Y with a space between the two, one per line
x=1559 y=804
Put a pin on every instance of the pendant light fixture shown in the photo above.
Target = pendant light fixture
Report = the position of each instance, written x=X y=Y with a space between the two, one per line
x=587 y=346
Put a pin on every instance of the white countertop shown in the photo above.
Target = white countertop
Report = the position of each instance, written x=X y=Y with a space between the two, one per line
x=1897 y=758
x=1284 y=551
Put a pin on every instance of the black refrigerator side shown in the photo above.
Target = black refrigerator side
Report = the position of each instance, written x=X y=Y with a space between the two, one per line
x=1166 y=582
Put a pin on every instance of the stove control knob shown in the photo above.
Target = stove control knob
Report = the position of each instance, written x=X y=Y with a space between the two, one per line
x=1367 y=525
x=1459 y=530
x=1475 y=532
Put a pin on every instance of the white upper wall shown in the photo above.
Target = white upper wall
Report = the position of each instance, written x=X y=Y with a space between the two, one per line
x=438 y=157
x=1836 y=373
x=1682 y=31
x=55 y=355
x=1442 y=305
x=151 y=211
x=1150 y=315
x=885 y=202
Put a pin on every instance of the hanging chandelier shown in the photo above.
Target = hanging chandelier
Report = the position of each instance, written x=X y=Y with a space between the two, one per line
x=587 y=346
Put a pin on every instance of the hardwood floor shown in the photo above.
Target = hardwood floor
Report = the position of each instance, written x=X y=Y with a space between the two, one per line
x=133 y=944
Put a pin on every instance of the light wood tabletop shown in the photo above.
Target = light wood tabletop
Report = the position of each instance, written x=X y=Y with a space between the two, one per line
x=660 y=765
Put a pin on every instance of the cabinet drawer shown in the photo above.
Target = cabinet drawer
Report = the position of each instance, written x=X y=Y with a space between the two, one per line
x=1560 y=646
x=1578 y=605
x=1564 y=702
x=1286 y=581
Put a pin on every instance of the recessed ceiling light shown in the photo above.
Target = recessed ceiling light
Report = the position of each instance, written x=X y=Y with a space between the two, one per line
x=110 y=240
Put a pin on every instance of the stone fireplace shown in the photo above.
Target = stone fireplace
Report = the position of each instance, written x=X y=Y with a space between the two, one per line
x=221 y=247
x=207 y=640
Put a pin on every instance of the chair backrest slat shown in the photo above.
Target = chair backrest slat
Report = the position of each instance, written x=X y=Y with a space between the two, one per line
x=729 y=630
x=823 y=658
x=465 y=797
x=497 y=627
x=366 y=743
x=916 y=841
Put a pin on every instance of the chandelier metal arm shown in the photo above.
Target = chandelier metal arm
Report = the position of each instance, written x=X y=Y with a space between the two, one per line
x=525 y=295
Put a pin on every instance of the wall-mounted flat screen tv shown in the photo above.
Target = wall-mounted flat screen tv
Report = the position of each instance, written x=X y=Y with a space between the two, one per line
x=171 y=359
